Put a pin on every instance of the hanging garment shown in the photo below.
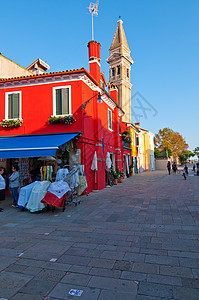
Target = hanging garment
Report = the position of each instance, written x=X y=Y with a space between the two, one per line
x=82 y=184
x=108 y=161
x=56 y=194
x=82 y=180
x=38 y=193
x=49 y=172
x=94 y=163
x=127 y=164
x=61 y=174
x=24 y=195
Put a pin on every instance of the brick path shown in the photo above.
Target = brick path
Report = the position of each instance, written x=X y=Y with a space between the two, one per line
x=137 y=240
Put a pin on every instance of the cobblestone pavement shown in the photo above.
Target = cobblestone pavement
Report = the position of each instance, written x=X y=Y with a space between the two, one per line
x=137 y=240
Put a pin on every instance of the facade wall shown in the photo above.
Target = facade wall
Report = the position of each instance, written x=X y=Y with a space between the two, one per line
x=37 y=107
x=9 y=69
x=146 y=154
x=161 y=164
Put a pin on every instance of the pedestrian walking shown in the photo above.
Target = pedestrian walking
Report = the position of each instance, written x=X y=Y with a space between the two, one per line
x=14 y=184
x=194 y=168
x=174 y=167
x=186 y=169
x=2 y=187
x=169 y=167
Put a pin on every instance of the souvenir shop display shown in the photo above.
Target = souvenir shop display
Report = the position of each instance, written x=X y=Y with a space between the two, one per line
x=69 y=184
x=82 y=180
x=56 y=194
x=46 y=173
x=37 y=194
x=61 y=174
x=24 y=195
x=23 y=170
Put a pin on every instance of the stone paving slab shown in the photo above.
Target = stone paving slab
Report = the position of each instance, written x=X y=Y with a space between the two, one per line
x=10 y=283
x=137 y=240
x=61 y=291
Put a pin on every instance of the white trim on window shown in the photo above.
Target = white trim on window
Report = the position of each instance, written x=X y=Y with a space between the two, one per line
x=111 y=121
x=54 y=98
x=6 y=104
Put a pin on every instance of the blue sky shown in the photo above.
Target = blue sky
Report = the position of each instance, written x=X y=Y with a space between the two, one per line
x=163 y=37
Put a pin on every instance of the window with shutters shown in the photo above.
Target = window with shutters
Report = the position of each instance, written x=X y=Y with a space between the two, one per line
x=13 y=105
x=62 y=101
x=110 y=126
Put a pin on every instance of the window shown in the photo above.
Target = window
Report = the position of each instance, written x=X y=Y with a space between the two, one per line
x=113 y=72
x=13 y=105
x=118 y=70
x=137 y=141
x=62 y=101
x=102 y=84
x=110 y=119
x=127 y=73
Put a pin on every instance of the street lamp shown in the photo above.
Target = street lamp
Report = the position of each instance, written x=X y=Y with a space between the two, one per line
x=99 y=100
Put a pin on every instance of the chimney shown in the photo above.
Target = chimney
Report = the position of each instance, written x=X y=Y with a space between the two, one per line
x=113 y=90
x=94 y=59
x=137 y=124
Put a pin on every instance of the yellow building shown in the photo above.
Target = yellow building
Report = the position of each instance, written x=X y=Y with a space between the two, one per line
x=145 y=145
x=142 y=145
x=148 y=161
x=134 y=133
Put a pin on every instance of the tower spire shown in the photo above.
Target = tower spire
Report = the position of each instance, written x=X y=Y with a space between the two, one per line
x=120 y=63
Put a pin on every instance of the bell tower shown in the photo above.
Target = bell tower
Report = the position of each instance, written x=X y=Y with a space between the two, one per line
x=119 y=70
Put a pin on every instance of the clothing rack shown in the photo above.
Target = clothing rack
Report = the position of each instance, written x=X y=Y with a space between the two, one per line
x=72 y=195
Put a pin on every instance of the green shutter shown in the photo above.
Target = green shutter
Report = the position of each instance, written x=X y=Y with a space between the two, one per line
x=65 y=101
x=109 y=119
x=10 y=106
x=58 y=102
x=13 y=106
x=62 y=101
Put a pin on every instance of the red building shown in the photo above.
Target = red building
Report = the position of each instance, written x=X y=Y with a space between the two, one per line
x=34 y=99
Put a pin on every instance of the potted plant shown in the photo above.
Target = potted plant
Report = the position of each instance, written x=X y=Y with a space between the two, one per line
x=115 y=176
x=121 y=176
x=131 y=170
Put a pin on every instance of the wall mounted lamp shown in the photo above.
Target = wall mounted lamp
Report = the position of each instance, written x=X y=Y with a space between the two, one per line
x=99 y=100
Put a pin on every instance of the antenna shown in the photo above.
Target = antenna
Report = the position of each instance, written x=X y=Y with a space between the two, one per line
x=93 y=9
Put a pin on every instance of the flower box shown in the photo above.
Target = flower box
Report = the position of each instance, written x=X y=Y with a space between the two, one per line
x=61 y=120
x=12 y=123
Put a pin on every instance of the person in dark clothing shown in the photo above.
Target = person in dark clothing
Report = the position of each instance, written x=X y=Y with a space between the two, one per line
x=174 y=167
x=186 y=169
x=169 y=167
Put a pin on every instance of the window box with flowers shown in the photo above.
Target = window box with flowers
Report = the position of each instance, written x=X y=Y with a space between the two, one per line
x=126 y=136
x=12 y=123
x=61 y=120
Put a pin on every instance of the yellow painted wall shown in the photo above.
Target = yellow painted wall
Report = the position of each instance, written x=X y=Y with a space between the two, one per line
x=133 y=143
x=146 y=150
